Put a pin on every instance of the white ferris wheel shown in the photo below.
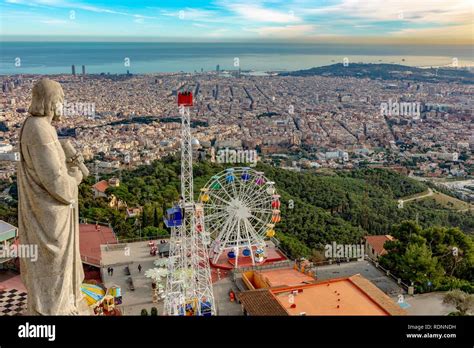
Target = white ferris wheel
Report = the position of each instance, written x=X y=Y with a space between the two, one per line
x=241 y=208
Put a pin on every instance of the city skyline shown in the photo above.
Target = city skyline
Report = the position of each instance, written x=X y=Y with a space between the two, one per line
x=427 y=22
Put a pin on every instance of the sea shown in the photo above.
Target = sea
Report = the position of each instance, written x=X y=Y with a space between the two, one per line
x=154 y=57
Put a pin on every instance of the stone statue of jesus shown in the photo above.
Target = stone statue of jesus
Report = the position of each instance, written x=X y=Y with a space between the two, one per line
x=48 y=210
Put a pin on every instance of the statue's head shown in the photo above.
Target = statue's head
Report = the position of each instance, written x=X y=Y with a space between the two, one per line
x=48 y=98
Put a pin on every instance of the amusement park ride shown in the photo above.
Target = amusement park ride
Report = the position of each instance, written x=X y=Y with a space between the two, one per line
x=241 y=208
x=238 y=208
x=189 y=284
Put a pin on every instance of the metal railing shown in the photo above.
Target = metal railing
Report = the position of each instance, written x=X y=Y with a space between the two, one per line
x=388 y=273
x=101 y=223
x=91 y=260
x=140 y=239
x=276 y=264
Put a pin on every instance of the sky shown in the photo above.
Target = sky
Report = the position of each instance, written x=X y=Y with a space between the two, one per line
x=354 y=21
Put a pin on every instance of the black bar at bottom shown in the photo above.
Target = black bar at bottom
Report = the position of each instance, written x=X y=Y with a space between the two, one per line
x=159 y=331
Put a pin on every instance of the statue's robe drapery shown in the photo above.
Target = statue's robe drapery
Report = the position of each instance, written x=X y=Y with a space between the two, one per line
x=48 y=218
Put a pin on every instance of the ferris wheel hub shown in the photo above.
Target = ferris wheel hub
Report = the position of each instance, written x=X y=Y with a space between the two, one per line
x=238 y=209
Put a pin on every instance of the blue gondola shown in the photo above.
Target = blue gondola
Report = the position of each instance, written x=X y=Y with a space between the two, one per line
x=229 y=178
x=231 y=255
x=245 y=175
x=246 y=252
x=174 y=217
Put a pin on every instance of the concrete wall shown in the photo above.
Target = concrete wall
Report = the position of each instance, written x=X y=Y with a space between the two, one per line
x=254 y=280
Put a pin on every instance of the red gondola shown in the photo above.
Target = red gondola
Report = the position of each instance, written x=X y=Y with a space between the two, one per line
x=276 y=202
x=185 y=99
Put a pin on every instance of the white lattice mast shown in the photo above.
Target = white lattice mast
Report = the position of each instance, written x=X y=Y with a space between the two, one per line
x=189 y=285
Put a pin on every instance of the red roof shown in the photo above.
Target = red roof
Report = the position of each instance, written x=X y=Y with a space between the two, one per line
x=101 y=186
x=377 y=242
x=354 y=295
x=261 y=302
x=90 y=240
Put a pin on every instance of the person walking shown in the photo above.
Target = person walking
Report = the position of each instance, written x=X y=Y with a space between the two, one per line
x=139 y=268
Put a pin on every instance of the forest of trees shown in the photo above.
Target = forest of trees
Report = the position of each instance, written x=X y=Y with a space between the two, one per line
x=342 y=206
x=433 y=258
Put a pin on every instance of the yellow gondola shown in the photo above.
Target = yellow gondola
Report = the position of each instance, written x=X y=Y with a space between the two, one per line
x=204 y=195
x=270 y=231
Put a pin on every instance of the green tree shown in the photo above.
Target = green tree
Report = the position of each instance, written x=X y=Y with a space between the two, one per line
x=432 y=258
x=155 y=217
x=293 y=247
x=144 y=218
x=420 y=266
x=151 y=231
x=463 y=302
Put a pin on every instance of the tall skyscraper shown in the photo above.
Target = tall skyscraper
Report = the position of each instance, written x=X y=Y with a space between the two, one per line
x=73 y=69
x=83 y=70
x=218 y=68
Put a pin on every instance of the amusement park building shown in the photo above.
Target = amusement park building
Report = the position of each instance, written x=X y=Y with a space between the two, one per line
x=92 y=236
x=353 y=295
x=374 y=245
x=8 y=235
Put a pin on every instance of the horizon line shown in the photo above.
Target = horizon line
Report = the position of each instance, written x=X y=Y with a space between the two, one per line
x=147 y=39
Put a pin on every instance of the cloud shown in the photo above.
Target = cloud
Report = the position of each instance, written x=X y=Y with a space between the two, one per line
x=218 y=32
x=70 y=5
x=426 y=11
x=55 y=21
x=287 y=31
x=396 y=19
x=200 y=25
x=455 y=32
x=192 y=14
x=257 y=13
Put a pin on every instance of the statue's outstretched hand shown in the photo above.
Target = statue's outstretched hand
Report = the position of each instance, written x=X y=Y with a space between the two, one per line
x=76 y=174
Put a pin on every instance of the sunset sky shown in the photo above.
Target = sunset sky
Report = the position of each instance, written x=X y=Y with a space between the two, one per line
x=369 y=21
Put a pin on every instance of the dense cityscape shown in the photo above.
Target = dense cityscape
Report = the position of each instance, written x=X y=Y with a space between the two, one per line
x=315 y=121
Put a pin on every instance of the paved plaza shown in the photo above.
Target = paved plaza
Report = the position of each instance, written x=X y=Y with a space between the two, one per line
x=428 y=304
x=130 y=254
x=364 y=268
x=221 y=296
